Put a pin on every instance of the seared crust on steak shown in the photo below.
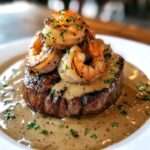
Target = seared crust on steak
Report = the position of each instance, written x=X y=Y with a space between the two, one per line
x=37 y=95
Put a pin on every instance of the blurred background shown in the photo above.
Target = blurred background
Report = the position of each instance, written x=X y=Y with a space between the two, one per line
x=22 y=18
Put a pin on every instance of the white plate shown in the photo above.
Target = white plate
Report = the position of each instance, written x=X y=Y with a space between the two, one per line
x=136 y=53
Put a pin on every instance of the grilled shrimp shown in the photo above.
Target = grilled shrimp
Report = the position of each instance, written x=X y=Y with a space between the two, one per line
x=64 y=29
x=74 y=68
x=65 y=70
x=42 y=59
x=95 y=66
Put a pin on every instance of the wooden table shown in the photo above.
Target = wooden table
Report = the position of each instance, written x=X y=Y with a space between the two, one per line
x=14 y=26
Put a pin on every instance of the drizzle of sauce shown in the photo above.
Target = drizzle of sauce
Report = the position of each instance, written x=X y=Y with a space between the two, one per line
x=86 y=132
x=76 y=89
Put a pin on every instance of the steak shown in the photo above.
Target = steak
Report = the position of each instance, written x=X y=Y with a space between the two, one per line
x=38 y=96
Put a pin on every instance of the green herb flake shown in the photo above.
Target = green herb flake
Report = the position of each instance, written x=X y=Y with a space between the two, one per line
x=48 y=38
x=74 y=133
x=61 y=12
x=9 y=114
x=67 y=50
x=112 y=72
x=78 y=26
x=70 y=19
x=143 y=91
x=121 y=110
x=107 y=56
x=54 y=23
x=143 y=96
x=32 y=125
x=61 y=125
x=107 y=53
x=93 y=136
x=62 y=33
x=109 y=81
x=141 y=87
x=3 y=84
x=66 y=67
x=48 y=35
x=52 y=92
x=86 y=131
x=115 y=124
x=7 y=102
x=44 y=132
x=146 y=97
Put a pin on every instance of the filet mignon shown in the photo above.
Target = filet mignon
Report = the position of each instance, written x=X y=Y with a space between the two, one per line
x=38 y=95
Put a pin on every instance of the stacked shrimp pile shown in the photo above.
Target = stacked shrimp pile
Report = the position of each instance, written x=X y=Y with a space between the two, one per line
x=67 y=45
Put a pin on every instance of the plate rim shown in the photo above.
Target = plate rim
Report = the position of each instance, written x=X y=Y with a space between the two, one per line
x=123 y=144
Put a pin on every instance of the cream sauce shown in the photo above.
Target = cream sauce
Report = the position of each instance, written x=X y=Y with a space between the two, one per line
x=78 y=89
x=89 y=132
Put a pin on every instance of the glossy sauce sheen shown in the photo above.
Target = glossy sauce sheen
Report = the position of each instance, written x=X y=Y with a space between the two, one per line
x=84 y=133
x=77 y=90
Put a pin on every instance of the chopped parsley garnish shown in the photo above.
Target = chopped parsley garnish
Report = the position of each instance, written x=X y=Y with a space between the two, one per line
x=107 y=53
x=146 y=97
x=7 y=102
x=143 y=91
x=93 y=136
x=115 y=124
x=70 y=19
x=3 y=84
x=112 y=71
x=44 y=131
x=143 y=87
x=48 y=34
x=61 y=125
x=56 y=94
x=74 y=133
x=67 y=50
x=62 y=12
x=52 y=92
x=122 y=110
x=33 y=125
x=9 y=114
x=109 y=81
x=62 y=33
x=78 y=26
x=54 y=23
x=66 y=67
x=86 y=131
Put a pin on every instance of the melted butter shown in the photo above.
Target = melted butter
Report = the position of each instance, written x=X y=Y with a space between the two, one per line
x=76 y=90
x=94 y=132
